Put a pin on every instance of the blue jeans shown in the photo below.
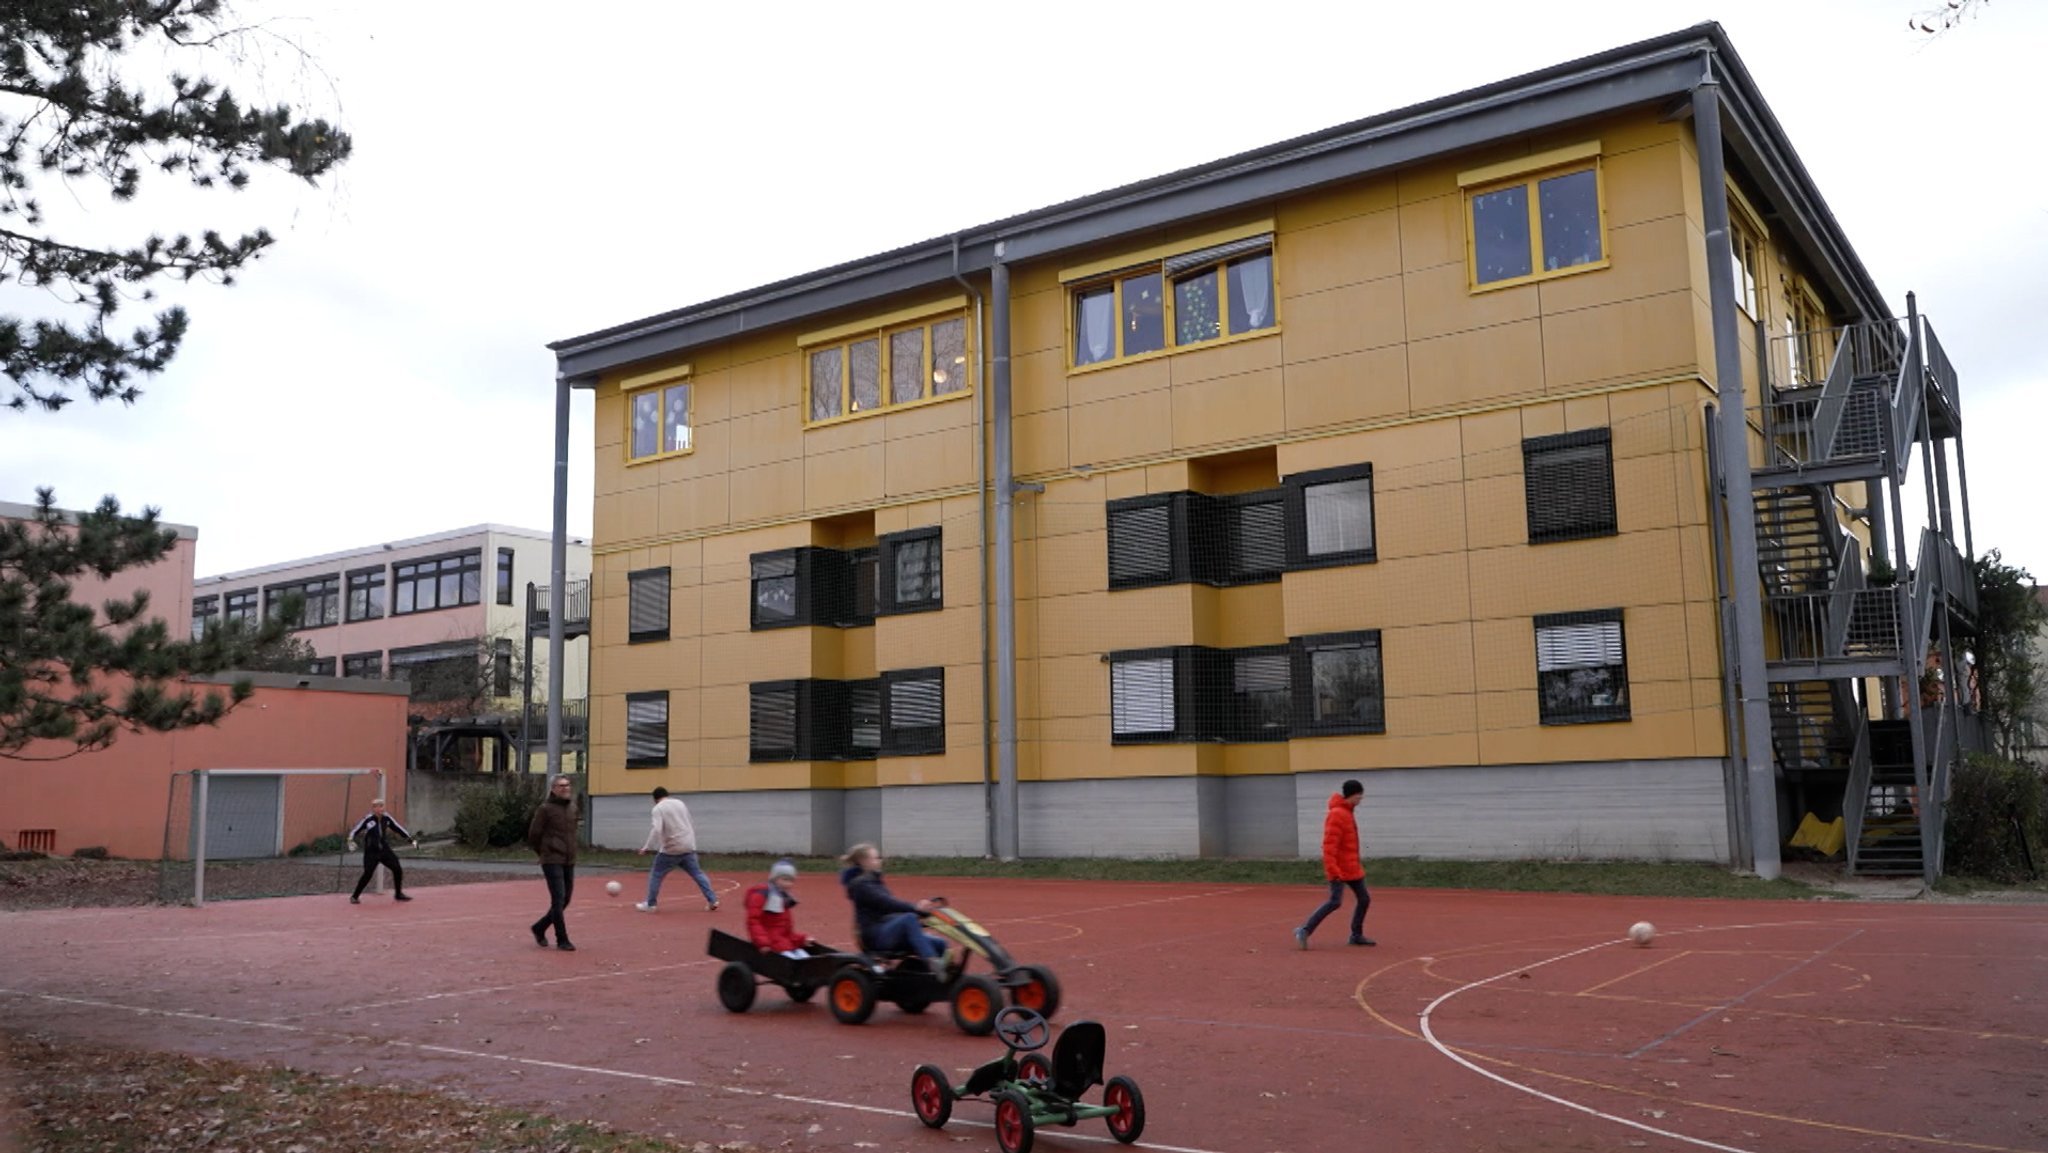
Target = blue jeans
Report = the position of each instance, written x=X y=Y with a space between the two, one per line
x=904 y=933
x=687 y=862
x=1337 y=900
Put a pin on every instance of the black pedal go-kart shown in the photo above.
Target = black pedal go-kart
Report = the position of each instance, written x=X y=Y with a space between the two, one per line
x=1028 y=1090
x=861 y=981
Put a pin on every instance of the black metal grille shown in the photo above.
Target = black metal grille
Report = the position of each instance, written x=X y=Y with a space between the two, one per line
x=1339 y=684
x=911 y=570
x=647 y=605
x=1568 y=481
x=646 y=730
x=1174 y=537
x=1187 y=693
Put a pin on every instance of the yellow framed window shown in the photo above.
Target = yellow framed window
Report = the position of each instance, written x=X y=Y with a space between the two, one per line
x=1749 y=252
x=1221 y=291
x=1525 y=225
x=1808 y=344
x=658 y=420
x=886 y=367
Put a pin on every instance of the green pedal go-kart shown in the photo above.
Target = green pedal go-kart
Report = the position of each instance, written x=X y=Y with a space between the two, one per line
x=910 y=983
x=860 y=981
x=1029 y=1091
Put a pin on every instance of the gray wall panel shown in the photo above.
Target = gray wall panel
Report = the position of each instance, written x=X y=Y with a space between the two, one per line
x=1140 y=817
x=1258 y=814
x=933 y=821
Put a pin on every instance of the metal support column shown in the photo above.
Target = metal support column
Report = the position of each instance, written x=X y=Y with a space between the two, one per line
x=1759 y=766
x=558 y=568
x=1006 y=563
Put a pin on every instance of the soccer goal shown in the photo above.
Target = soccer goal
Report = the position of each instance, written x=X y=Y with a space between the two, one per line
x=232 y=833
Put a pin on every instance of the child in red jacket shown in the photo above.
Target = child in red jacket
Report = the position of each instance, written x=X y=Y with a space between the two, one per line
x=769 y=922
x=1341 y=865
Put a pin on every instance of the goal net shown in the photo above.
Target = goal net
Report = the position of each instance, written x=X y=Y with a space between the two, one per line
x=235 y=833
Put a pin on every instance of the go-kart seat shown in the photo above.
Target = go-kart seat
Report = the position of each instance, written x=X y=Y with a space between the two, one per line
x=1077 y=1059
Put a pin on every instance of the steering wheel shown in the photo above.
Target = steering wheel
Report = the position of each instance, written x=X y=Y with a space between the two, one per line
x=1023 y=1030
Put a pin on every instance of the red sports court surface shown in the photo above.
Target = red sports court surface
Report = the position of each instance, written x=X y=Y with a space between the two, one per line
x=1483 y=1021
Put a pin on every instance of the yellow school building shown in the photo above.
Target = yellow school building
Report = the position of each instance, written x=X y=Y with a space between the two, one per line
x=1483 y=450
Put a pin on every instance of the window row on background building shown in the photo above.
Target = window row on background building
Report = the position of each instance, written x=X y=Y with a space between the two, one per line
x=898 y=714
x=362 y=594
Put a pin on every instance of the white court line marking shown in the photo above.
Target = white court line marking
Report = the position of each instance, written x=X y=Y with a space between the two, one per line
x=1429 y=1034
x=538 y=1063
x=452 y=993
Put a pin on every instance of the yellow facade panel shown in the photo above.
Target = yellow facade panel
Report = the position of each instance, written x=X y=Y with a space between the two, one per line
x=1429 y=661
x=939 y=460
x=1229 y=409
x=608 y=619
x=1496 y=511
x=724 y=711
x=1243 y=616
x=1422 y=455
x=843 y=436
x=1649 y=259
x=1128 y=426
x=1073 y=563
x=1433 y=232
x=1358 y=386
x=1038 y=382
x=1039 y=442
x=1228 y=359
x=642 y=514
x=1491 y=443
x=1120 y=380
x=1420 y=590
x=1643 y=184
x=1645 y=494
x=1479 y=366
x=1439 y=301
x=770 y=492
x=1318 y=208
x=1341 y=252
x=1585 y=348
x=766 y=438
x=1584 y=412
x=767 y=385
x=1096 y=623
x=609 y=411
x=728 y=604
x=1657 y=642
x=767 y=655
x=1504 y=655
x=1542 y=419
x=1421 y=521
x=1073 y=686
x=1038 y=322
x=955 y=415
x=1346 y=318
x=1172 y=476
x=1703 y=640
x=1071 y=760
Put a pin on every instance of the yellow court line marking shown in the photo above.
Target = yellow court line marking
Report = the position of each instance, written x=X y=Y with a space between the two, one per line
x=1680 y=956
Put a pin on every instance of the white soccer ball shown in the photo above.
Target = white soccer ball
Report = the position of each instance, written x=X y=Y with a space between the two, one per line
x=614 y=888
x=1642 y=932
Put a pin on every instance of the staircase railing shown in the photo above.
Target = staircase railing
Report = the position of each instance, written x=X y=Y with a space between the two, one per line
x=1856 y=796
x=1906 y=401
x=1941 y=372
x=1934 y=784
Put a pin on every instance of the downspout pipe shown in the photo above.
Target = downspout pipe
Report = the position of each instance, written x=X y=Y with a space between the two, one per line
x=1006 y=564
x=988 y=744
x=1746 y=597
x=1734 y=786
x=558 y=575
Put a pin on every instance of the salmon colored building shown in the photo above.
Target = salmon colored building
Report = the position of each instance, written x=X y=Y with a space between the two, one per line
x=118 y=798
x=1536 y=454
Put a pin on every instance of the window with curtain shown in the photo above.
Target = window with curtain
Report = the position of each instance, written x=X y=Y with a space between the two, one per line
x=1186 y=300
x=1536 y=225
x=887 y=368
x=658 y=421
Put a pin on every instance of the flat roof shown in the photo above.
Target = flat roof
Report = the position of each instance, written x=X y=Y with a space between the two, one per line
x=1650 y=73
x=10 y=510
x=444 y=537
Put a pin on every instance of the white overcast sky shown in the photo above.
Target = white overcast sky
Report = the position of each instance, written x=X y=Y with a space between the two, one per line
x=524 y=173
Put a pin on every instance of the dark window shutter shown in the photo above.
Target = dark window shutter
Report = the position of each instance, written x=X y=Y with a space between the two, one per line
x=1144 y=701
x=646 y=730
x=771 y=734
x=913 y=712
x=1141 y=545
x=647 y=605
x=865 y=563
x=864 y=718
x=1256 y=526
x=1568 y=482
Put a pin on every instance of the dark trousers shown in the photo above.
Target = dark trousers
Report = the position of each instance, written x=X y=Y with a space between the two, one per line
x=1336 y=901
x=561 y=881
x=380 y=855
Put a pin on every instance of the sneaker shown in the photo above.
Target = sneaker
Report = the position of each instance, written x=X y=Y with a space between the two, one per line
x=540 y=937
x=1301 y=938
x=565 y=946
x=1358 y=940
x=644 y=907
x=401 y=897
x=712 y=907
x=355 y=900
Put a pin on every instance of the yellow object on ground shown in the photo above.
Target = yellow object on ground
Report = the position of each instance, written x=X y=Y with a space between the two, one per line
x=1823 y=838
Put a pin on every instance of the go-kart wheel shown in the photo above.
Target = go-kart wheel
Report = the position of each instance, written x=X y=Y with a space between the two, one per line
x=975 y=1001
x=853 y=995
x=1039 y=991
x=1034 y=1067
x=1013 y=1122
x=931 y=1096
x=1129 y=1119
x=914 y=991
x=798 y=991
x=1022 y=1030
x=736 y=986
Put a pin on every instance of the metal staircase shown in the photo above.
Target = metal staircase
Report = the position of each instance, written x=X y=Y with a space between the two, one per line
x=1836 y=634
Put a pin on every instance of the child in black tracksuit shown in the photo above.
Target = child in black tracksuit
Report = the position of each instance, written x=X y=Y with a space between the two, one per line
x=374 y=831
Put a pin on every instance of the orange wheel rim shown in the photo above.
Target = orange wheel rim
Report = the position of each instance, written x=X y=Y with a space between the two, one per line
x=1031 y=995
x=846 y=995
x=973 y=1004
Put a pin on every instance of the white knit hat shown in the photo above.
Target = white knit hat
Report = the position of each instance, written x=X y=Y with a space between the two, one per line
x=783 y=868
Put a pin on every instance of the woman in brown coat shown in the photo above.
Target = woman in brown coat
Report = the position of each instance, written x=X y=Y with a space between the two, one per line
x=552 y=835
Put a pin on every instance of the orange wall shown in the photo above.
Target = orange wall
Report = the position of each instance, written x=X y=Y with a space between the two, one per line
x=116 y=798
